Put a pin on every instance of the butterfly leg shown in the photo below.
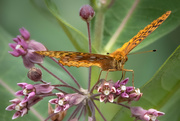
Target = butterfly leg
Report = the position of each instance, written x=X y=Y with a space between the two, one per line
x=106 y=75
x=123 y=75
x=125 y=70
x=108 y=72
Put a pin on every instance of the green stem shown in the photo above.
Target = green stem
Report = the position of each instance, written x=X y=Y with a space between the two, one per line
x=99 y=27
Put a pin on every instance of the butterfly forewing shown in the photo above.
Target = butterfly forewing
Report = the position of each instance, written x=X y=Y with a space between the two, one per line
x=79 y=59
x=128 y=46
x=114 y=61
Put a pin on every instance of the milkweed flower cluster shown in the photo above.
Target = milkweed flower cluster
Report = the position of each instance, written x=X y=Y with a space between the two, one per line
x=110 y=90
x=83 y=99
x=22 y=107
x=145 y=115
x=25 y=48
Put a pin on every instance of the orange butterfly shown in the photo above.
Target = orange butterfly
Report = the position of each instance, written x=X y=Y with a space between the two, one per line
x=114 y=61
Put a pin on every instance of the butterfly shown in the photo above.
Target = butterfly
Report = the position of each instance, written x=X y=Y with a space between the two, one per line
x=111 y=62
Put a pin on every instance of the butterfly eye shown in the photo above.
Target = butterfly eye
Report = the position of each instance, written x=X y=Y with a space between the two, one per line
x=126 y=58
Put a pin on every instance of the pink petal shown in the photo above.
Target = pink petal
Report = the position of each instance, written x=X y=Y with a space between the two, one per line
x=34 y=45
x=129 y=89
x=124 y=82
x=16 y=39
x=132 y=95
x=29 y=86
x=113 y=90
x=31 y=95
x=14 y=53
x=65 y=107
x=22 y=104
x=137 y=98
x=99 y=89
x=53 y=101
x=34 y=100
x=60 y=95
x=25 y=33
x=34 y=57
x=27 y=63
x=43 y=88
x=16 y=101
x=111 y=98
x=160 y=113
x=11 y=107
x=16 y=115
x=13 y=45
x=21 y=51
x=22 y=42
x=102 y=98
x=118 y=91
x=24 y=100
x=58 y=109
x=19 y=93
x=22 y=85
x=117 y=84
x=155 y=112
x=124 y=95
x=24 y=111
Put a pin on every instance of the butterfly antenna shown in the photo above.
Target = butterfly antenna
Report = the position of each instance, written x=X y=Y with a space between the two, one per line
x=142 y=52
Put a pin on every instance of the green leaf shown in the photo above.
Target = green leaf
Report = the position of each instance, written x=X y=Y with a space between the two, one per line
x=78 y=39
x=162 y=91
x=43 y=28
x=125 y=18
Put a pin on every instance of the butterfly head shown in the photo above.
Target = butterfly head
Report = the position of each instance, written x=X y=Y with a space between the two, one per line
x=120 y=59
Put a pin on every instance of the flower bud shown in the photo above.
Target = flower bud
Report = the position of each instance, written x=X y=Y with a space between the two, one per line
x=86 y=12
x=35 y=74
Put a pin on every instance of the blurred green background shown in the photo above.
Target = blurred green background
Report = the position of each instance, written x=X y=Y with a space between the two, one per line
x=35 y=17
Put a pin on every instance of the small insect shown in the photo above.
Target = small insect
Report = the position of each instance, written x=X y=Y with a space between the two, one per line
x=112 y=62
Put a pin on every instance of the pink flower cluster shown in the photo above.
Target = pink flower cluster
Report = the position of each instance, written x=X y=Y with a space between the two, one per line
x=64 y=102
x=145 y=115
x=110 y=90
x=25 y=47
x=32 y=94
x=21 y=107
